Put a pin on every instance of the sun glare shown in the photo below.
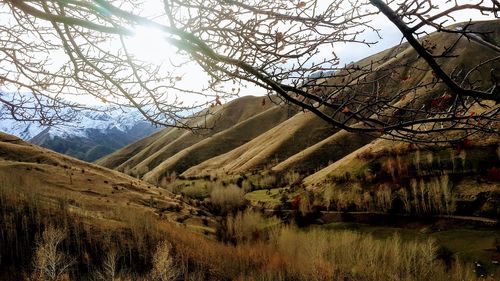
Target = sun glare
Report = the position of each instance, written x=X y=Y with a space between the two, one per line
x=149 y=44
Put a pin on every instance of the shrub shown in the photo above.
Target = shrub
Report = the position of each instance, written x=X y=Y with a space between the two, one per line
x=164 y=268
x=227 y=198
x=292 y=177
x=247 y=226
x=109 y=267
x=49 y=262
x=195 y=192
x=383 y=198
x=323 y=255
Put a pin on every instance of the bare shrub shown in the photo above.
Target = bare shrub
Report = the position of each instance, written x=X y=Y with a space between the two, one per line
x=383 y=198
x=447 y=194
x=50 y=264
x=109 y=270
x=391 y=167
x=227 y=198
x=323 y=255
x=415 y=195
x=405 y=198
x=292 y=177
x=351 y=196
x=305 y=205
x=164 y=268
x=248 y=225
x=429 y=196
x=328 y=195
x=433 y=196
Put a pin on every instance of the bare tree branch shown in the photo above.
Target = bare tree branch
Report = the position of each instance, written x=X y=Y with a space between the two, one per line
x=424 y=90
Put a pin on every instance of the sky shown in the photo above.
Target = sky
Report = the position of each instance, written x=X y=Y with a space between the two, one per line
x=148 y=45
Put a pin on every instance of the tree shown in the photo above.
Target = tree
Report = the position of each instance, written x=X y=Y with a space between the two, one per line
x=278 y=45
x=163 y=263
x=49 y=263
x=109 y=267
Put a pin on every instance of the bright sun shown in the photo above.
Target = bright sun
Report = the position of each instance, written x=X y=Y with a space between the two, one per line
x=149 y=44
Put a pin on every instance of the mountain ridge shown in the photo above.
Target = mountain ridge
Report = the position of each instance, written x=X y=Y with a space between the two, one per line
x=88 y=137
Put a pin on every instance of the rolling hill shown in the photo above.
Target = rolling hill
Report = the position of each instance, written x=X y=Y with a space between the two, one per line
x=269 y=148
x=252 y=136
x=91 y=191
x=221 y=142
x=260 y=153
x=259 y=114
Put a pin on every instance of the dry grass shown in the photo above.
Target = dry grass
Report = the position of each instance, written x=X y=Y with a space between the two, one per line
x=227 y=198
x=221 y=142
x=269 y=148
x=432 y=196
x=116 y=158
x=171 y=141
x=348 y=255
x=91 y=191
x=276 y=253
x=323 y=153
x=249 y=135
x=386 y=176
x=248 y=226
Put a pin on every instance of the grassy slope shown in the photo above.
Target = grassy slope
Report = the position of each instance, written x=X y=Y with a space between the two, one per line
x=221 y=142
x=470 y=54
x=342 y=142
x=93 y=192
x=303 y=143
x=323 y=153
x=273 y=146
x=175 y=140
x=472 y=181
x=347 y=164
x=118 y=157
x=277 y=144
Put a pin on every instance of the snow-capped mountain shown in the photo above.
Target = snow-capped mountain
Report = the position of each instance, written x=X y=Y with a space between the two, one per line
x=24 y=130
x=90 y=136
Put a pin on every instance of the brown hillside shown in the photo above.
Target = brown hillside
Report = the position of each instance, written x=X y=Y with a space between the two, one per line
x=323 y=153
x=343 y=143
x=221 y=142
x=92 y=192
x=170 y=141
x=242 y=140
x=280 y=143
x=467 y=177
x=116 y=158
x=274 y=146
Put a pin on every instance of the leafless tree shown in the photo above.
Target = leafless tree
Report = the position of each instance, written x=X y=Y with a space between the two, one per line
x=50 y=264
x=109 y=267
x=163 y=263
x=279 y=45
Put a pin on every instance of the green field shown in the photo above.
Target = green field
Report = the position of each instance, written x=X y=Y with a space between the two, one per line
x=270 y=197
